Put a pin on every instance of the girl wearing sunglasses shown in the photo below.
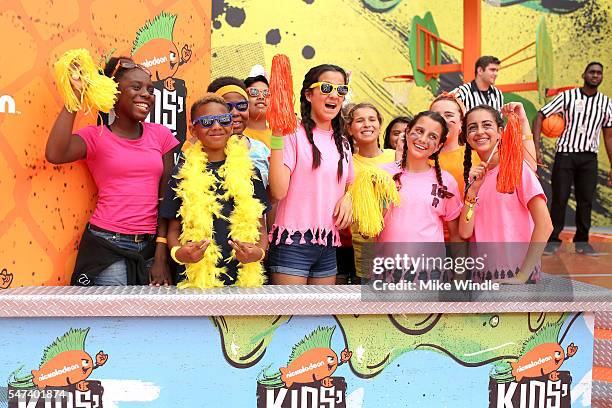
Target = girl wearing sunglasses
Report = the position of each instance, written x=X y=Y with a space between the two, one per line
x=258 y=90
x=209 y=230
x=233 y=91
x=310 y=173
x=130 y=161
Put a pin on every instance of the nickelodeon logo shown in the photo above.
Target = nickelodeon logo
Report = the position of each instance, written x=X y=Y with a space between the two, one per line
x=7 y=104
x=154 y=61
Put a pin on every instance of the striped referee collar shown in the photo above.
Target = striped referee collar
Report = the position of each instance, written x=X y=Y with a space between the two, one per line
x=587 y=95
x=474 y=88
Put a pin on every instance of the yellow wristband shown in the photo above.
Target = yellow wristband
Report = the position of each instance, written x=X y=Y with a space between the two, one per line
x=263 y=254
x=161 y=240
x=173 y=254
x=527 y=137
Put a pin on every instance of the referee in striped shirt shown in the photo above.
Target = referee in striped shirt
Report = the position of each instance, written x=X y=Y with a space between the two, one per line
x=586 y=112
x=481 y=91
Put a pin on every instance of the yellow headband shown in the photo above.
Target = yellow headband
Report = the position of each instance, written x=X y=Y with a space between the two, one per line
x=231 y=88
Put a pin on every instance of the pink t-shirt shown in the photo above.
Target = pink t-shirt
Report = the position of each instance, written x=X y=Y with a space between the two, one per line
x=422 y=209
x=504 y=218
x=313 y=193
x=127 y=174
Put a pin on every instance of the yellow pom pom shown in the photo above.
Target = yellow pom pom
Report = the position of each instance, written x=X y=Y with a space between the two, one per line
x=101 y=93
x=97 y=91
x=372 y=189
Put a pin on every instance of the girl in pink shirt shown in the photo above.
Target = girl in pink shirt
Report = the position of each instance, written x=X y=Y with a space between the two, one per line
x=492 y=217
x=428 y=195
x=130 y=161
x=309 y=174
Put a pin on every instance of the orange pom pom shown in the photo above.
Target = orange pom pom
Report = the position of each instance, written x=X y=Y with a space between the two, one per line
x=280 y=115
x=510 y=156
x=553 y=126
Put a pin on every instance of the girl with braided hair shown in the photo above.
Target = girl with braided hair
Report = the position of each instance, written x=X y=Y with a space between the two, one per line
x=493 y=217
x=309 y=174
x=452 y=155
x=429 y=196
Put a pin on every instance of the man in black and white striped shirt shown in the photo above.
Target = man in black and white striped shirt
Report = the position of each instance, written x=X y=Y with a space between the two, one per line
x=481 y=91
x=586 y=112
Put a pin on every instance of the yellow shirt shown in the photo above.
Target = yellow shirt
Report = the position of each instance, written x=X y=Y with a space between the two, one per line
x=359 y=162
x=261 y=135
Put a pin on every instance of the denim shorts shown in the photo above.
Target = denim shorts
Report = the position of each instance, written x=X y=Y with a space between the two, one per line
x=305 y=260
x=116 y=273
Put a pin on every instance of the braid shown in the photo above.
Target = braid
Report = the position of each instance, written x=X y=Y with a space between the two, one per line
x=337 y=126
x=405 y=154
x=398 y=181
x=439 y=176
x=403 y=165
x=351 y=142
x=309 y=124
x=467 y=157
x=467 y=163
x=438 y=169
x=311 y=77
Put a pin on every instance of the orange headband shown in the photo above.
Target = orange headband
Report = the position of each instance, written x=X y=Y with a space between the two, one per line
x=444 y=96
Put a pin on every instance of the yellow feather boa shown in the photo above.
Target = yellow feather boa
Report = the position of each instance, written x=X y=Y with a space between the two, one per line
x=197 y=190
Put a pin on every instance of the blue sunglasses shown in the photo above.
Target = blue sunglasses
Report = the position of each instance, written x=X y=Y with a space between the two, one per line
x=207 y=121
x=241 y=106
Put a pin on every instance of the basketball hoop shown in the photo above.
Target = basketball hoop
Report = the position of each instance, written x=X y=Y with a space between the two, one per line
x=399 y=87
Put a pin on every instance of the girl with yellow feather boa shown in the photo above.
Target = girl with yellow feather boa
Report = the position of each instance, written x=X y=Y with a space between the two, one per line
x=215 y=209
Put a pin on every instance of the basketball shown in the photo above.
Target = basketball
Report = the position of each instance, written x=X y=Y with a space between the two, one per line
x=553 y=126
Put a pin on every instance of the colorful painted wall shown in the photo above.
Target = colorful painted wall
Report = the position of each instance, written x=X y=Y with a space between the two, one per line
x=44 y=208
x=533 y=360
x=372 y=39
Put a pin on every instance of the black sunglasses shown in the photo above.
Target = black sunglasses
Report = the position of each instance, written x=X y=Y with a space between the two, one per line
x=207 y=121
